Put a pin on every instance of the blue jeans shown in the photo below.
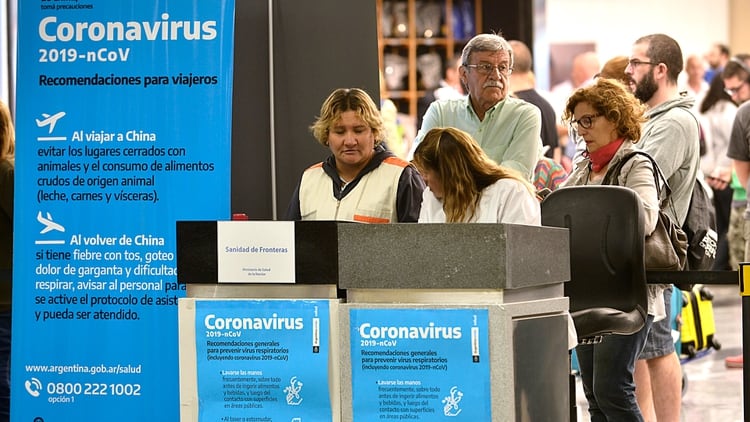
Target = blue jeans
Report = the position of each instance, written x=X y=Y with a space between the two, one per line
x=607 y=375
x=5 y=366
x=659 y=341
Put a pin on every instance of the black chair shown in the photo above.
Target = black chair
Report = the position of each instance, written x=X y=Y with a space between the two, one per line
x=607 y=290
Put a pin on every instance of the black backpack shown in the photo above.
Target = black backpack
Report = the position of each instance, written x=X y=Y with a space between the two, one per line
x=700 y=223
x=700 y=227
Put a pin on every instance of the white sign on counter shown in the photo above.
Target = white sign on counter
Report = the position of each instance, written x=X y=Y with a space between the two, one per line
x=255 y=251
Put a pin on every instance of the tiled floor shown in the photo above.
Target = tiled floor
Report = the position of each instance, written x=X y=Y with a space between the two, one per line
x=714 y=392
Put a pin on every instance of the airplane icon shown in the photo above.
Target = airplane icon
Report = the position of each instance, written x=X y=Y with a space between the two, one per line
x=49 y=225
x=50 y=121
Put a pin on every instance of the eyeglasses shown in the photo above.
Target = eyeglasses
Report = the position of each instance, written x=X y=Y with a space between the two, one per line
x=486 y=68
x=733 y=91
x=636 y=63
x=585 y=121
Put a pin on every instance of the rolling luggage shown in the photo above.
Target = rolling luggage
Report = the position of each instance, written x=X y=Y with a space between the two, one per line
x=698 y=329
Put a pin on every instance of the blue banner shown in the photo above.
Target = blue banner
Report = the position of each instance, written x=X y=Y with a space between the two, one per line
x=263 y=360
x=123 y=127
x=420 y=364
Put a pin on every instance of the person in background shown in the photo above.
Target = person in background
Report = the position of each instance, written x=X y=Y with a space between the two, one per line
x=7 y=176
x=394 y=131
x=450 y=85
x=394 y=136
x=716 y=57
x=717 y=111
x=466 y=186
x=548 y=173
x=522 y=84
x=585 y=66
x=735 y=235
x=608 y=118
x=548 y=176
x=361 y=180
x=736 y=77
x=671 y=136
x=694 y=84
x=614 y=68
x=507 y=129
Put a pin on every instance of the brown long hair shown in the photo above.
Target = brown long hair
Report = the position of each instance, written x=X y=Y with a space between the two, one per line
x=464 y=169
x=7 y=134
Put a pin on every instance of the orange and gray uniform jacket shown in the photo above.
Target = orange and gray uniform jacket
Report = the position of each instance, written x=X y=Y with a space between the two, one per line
x=387 y=190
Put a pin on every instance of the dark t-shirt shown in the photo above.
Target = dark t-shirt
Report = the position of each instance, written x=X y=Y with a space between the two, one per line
x=739 y=141
x=549 y=126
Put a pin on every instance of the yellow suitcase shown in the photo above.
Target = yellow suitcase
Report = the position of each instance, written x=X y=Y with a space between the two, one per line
x=698 y=328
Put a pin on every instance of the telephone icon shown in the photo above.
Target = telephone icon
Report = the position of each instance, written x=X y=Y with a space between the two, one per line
x=33 y=386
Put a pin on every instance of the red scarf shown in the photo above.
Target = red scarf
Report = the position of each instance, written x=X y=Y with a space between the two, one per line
x=601 y=157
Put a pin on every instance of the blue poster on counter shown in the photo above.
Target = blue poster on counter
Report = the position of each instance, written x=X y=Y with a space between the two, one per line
x=263 y=360
x=123 y=127
x=420 y=364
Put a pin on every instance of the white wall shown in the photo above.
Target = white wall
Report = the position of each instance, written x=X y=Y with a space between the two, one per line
x=613 y=25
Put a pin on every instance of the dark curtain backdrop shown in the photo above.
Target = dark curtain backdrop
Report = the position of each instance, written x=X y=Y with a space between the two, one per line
x=317 y=47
